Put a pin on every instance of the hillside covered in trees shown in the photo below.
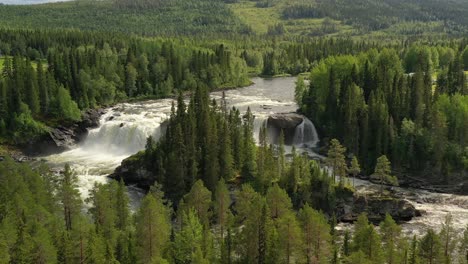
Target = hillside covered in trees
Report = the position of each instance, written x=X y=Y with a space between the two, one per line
x=384 y=81
x=197 y=223
x=228 y=17
x=49 y=77
x=412 y=108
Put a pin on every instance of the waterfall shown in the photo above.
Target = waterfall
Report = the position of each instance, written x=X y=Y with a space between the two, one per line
x=306 y=134
x=258 y=122
x=125 y=133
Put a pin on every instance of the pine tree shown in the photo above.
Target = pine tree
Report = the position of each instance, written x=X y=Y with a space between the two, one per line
x=299 y=91
x=222 y=202
x=382 y=172
x=390 y=232
x=336 y=159
x=278 y=201
x=463 y=247
x=152 y=229
x=367 y=240
x=104 y=211
x=346 y=244
x=43 y=249
x=188 y=241
x=198 y=199
x=448 y=238
x=430 y=247
x=43 y=89
x=281 y=156
x=355 y=168
x=226 y=159
x=249 y=208
x=249 y=169
x=122 y=207
x=316 y=235
x=413 y=256
x=4 y=252
x=290 y=238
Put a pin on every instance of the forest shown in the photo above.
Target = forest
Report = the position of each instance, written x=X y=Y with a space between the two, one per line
x=368 y=18
x=385 y=83
x=49 y=77
x=412 y=108
x=43 y=220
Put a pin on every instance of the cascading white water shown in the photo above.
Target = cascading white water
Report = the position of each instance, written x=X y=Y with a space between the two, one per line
x=306 y=134
x=124 y=129
x=122 y=132
x=125 y=134
x=259 y=122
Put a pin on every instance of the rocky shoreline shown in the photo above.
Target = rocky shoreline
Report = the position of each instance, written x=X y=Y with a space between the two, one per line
x=63 y=138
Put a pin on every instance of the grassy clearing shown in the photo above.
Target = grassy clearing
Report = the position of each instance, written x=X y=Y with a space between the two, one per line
x=259 y=19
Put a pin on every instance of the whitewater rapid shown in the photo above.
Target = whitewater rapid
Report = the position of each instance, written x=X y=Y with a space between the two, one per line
x=125 y=127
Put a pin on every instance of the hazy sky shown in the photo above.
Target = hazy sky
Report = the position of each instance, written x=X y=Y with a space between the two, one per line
x=27 y=2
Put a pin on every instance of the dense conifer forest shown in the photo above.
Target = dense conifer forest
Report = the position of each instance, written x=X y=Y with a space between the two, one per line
x=385 y=83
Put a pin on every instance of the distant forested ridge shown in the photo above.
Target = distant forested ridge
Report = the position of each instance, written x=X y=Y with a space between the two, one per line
x=150 y=18
x=258 y=17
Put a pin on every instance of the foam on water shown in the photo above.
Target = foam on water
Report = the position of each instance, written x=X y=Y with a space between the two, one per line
x=123 y=132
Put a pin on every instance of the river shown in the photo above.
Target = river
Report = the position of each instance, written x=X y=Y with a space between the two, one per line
x=125 y=127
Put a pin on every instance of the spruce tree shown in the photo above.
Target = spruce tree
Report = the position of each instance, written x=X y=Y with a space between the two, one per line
x=69 y=197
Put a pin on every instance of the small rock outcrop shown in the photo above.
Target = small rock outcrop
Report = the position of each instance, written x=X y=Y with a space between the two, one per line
x=63 y=137
x=285 y=121
x=376 y=209
x=133 y=171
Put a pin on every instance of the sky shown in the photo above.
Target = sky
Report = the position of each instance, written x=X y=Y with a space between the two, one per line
x=27 y=2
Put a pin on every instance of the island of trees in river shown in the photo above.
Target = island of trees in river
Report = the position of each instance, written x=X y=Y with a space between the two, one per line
x=393 y=110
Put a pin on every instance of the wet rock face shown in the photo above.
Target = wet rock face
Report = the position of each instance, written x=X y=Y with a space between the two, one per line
x=132 y=171
x=377 y=207
x=63 y=138
x=464 y=188
x=287 y=122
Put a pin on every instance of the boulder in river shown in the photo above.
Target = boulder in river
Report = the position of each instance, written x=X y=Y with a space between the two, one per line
x=376 y=209
x=285 y=121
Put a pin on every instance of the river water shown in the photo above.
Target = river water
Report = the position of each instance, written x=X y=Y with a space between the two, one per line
x=125 y=127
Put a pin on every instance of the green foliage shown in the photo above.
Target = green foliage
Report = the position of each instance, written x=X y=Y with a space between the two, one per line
x=374 y=108
x=366 y=240
x=77 y=71
x=336 y=159
x=140 y=17
x=383 y=172
x=430 y=247
x=188 y=241
x=153 y=229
